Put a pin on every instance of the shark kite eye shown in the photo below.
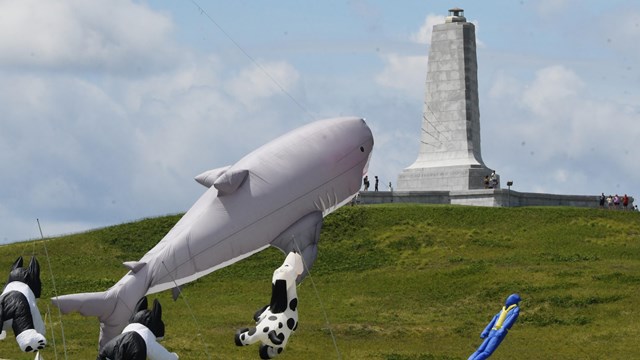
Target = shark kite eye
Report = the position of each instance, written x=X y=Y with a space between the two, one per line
x=362 y=148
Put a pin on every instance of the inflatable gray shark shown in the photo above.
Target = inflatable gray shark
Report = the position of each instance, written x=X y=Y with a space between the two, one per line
x=276 y=195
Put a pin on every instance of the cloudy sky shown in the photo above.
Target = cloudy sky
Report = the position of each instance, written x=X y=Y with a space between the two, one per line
x=109 y=108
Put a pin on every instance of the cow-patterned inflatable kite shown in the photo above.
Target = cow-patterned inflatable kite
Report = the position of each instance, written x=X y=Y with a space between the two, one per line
x=277 y=321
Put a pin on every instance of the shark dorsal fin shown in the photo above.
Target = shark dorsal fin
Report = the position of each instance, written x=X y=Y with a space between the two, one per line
x=207 y=178
x=230 y=181
x=134 y=266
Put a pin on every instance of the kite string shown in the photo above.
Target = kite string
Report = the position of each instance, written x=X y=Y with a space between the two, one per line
x=55 y=291
x=315 y=289
x=47 y=315
x=253 y=60
x=193 y=316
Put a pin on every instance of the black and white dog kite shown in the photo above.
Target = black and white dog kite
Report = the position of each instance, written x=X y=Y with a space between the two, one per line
x=277 y=321
x=18 y=308
x=138 y=340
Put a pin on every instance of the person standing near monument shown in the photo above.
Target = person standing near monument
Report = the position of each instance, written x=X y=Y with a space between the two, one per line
x=494 y=180
x=366 y=183
x=376 y=184
x=602 y=199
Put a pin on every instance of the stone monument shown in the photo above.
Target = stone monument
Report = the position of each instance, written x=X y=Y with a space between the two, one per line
x=449 y=156
x=449 y=168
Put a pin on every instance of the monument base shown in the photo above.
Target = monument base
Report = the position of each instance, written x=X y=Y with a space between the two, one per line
x=490 y=197
x=449 y=178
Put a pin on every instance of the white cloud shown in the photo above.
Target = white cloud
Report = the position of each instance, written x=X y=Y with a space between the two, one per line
x=76 y=35
x=406 y=73
x=550 y=105
x=262 y=81
x=560 y=175
x=423 y=35
x=563 y=132
x=553 y=87
x=505 y=86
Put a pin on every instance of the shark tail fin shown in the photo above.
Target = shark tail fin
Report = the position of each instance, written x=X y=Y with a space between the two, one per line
x=103 y=306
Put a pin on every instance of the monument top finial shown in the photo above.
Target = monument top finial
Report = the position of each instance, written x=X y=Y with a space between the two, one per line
x=455 y=15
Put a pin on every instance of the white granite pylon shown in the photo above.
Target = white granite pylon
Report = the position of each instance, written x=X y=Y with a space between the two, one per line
x=450 y=156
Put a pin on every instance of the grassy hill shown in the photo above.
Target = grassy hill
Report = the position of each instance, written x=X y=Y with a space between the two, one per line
x=393 y=282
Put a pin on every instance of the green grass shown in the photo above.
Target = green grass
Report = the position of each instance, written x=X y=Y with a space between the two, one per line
x=392 y=282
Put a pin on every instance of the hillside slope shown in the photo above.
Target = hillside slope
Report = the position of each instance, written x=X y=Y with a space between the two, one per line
x=393 y=282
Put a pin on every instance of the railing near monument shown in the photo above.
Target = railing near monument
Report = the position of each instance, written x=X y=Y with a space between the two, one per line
x=485 y=197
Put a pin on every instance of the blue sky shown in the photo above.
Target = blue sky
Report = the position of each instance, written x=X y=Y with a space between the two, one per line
x=110 y=108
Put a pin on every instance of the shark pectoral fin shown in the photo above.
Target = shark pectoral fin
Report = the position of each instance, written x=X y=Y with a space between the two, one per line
x=302 y=237
x=230 y=181
x=134 y=266
x=207 y=178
